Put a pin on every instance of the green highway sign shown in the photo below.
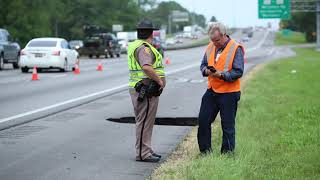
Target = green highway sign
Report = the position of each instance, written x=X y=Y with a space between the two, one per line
x=274 y=9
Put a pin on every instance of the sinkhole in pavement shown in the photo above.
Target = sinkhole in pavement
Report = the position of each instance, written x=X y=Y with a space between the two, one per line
x=167 y=121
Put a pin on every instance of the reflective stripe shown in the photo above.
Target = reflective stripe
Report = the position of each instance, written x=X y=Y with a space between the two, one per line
x=159 y=68
x=133 y=64
x=209 y=52
x=230 y=52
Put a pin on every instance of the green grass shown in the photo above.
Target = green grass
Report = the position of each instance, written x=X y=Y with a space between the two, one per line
x=194 y=43
x=201 y=42
x=278 y=128
x=290 y=39
x=170 y=36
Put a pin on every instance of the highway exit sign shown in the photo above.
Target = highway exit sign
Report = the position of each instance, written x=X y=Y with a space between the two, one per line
x=274 y=9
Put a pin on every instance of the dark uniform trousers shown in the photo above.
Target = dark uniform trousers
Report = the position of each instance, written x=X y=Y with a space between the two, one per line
x=145 y=114
x=211 y=104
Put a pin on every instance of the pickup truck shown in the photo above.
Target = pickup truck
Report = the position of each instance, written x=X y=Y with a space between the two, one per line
x=101 y=44
x=9 y=50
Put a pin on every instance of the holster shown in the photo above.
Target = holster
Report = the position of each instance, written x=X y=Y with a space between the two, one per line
x=154 y=89
x=150 y=90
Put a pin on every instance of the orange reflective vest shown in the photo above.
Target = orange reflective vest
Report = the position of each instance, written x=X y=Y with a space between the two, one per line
x=224 y=63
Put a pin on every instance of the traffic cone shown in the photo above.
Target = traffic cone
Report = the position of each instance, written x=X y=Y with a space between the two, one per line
x=100 y=68
x=168 y=61
x=34 y=74
x=76 y=69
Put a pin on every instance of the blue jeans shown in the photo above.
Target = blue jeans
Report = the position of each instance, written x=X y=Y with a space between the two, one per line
x=211 y=104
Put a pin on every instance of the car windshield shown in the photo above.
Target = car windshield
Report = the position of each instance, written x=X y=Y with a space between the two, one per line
x=74 y=43
x=3 y=36
x=42 y=44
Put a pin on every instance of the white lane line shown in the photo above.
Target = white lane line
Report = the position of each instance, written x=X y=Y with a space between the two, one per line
x=62 y=103
x=184 y=68
x=84 y=97
x=259 y=44
x=271 y=52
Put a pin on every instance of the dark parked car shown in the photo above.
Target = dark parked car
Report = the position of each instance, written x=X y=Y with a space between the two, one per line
x=101 y=44
x=9 y=50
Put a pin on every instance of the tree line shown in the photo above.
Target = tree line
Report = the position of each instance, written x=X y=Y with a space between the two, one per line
x=27 y=19
x=303 y=22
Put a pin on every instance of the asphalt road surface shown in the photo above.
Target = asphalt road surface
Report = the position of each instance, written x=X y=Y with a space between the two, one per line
x=68 y=137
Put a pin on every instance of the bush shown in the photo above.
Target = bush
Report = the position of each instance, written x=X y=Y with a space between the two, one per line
x=311 y=36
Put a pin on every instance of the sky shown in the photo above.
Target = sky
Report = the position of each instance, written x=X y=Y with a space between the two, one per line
x=239 y=13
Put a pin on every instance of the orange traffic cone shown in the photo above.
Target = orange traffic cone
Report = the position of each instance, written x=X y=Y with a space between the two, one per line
x=100 y=68
x=34 y=74
x=76 y=69
x=168 y=61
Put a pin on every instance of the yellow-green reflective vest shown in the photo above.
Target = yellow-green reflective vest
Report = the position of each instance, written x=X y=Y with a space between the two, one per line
x=136 y=73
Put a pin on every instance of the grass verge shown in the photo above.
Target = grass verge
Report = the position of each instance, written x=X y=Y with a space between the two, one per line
x=195 y=43
x=201 y=42
x=277 y=129
x=290 y=39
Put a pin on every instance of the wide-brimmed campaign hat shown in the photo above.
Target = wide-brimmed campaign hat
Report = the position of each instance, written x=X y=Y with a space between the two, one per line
x=146 y=24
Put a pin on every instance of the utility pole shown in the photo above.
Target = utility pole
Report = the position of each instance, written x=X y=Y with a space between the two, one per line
x=169 y=24
x=318 y=25
x=56 y=28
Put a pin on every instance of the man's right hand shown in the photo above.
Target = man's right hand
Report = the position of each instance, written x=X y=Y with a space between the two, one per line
x=162 y=84
x=152 y=74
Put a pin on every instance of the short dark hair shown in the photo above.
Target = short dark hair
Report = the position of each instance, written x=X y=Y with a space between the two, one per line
x=144 y=33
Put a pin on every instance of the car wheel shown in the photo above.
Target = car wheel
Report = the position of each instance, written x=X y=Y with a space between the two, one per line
x=15 y=65
x=90 y=56
x=97 y=55
x=24 y=69
x=1 y=62
x=111 y=55
x=118 y=55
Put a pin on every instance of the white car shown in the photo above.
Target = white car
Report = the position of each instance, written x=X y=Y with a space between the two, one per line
x=48 y=53
x=170 y=42
x=124 y=45
x=245 y=39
